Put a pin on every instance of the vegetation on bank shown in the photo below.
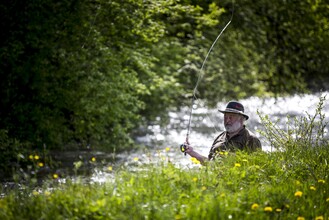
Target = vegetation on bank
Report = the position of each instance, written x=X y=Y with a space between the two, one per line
x=258 y=186
x=289 y=183
x=86 y=74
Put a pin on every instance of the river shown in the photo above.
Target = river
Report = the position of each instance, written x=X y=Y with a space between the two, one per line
x=162 y=143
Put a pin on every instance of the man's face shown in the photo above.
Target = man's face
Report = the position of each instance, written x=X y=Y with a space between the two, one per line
x=233 y=122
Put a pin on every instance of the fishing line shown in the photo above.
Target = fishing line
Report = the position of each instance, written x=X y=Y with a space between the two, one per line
x=194 y=97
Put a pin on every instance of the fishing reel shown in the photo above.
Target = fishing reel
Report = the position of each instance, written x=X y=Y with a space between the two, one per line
x=183 y=148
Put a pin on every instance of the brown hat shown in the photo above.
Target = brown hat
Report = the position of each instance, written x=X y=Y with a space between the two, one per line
x=235 y=107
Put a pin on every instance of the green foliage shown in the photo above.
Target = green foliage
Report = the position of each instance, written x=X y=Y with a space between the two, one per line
x=75 y=73
x=240 y=186
x=268 y=49
x=302 y=137
x=287 y=36
x=88 y=72
x=290 y=183
x=300 y=132
x=10 y=153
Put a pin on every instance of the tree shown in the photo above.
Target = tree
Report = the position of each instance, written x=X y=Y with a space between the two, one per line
x=89 y=72
x=291 y=39
x=86 y=71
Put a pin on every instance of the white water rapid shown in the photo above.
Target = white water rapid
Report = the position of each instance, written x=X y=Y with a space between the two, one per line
x=162 y=144
x=208 y=123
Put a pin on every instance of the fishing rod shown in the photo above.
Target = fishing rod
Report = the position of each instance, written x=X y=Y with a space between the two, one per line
x=194 y=97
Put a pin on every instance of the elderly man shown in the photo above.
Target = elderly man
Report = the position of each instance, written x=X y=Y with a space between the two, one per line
x=236 y=136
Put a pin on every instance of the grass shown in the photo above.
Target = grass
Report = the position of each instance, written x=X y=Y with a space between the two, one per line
x=241 y=186
x=290 y=183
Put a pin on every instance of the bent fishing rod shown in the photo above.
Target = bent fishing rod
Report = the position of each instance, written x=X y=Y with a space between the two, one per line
x=194 y=97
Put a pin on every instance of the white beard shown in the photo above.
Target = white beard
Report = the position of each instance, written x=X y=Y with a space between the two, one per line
x=234 y=127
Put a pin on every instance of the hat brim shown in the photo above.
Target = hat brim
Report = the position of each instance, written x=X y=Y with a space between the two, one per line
x=235 y=112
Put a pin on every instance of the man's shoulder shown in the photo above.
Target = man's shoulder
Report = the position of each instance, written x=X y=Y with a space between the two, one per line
x=253 y=138
x=252 y=134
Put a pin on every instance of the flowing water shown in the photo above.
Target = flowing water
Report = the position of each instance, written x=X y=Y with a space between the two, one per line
x=206 y=124
x=162 y=143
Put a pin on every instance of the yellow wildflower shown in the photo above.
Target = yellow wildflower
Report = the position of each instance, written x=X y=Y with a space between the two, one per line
x=36 y=157
x=55 y=176
x=31 y=157
x=278 y=210
x=254 y=206
x=109 y=168
x=136 y=158
x=40 y=164
x=245 y=160
x=298 y=194
x=297 y=182
x=319 y=217
x=167 y=149
x=237 y=165
x=204 y=188
x=312 y=188
x=321 y=181
x=195 y=179
x=300 y=218
x=93 y=159
x=194 y=160
x=268 y=209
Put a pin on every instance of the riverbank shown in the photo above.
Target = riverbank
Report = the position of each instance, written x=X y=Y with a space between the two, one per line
x=289 y=183
x=159 y=141
x=240 y=186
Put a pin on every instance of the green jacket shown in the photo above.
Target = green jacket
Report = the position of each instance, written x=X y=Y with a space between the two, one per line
x=244 y=140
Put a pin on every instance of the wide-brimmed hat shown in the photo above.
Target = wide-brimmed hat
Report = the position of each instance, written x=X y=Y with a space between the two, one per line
x=234 y=107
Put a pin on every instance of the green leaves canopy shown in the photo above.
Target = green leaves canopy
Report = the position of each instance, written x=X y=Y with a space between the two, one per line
x=89 y=72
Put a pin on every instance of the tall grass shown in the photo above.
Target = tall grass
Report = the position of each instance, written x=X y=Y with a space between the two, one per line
x=290 y=183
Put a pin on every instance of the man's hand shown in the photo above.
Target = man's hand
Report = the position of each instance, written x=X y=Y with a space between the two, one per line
x=186 y=148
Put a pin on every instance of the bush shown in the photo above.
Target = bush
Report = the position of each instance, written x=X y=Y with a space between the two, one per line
x=10 y=149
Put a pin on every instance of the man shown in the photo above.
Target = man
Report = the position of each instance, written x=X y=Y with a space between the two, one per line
x=236 y=136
